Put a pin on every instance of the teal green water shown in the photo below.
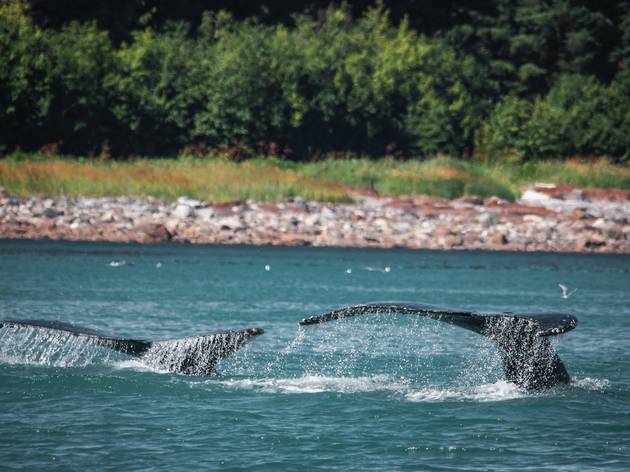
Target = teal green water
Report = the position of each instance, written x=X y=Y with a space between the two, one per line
x=376 y=393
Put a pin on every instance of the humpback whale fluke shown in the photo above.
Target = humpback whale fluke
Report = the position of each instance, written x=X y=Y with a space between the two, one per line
x=528 y=357
x=195 y=355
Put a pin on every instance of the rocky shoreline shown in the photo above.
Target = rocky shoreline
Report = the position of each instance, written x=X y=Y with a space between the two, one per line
x=546 y=218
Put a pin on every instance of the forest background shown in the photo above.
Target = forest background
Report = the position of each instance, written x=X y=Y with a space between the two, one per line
x=522 y=79
x=503 y=83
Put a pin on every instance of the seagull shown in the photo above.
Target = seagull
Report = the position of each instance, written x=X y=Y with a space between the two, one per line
x=565 y=291
x=377 y=269
x=267 y=267
x=348 y=271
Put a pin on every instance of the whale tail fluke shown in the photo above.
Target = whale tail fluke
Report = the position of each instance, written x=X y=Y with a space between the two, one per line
x=195 y=355
x=529 y=358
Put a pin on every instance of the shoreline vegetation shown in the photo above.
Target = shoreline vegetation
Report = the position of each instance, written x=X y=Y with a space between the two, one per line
x=353 y=124
x=221 y=180
x=495 y=81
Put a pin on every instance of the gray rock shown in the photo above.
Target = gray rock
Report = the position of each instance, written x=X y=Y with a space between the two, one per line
x=487 y=219
x=52 y=212
x=183 y=211
x=191 y=202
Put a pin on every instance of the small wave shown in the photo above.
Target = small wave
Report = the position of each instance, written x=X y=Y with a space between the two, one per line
x=492 y=392
x=498 y=391
x=138 y=365
x=319 y=384
x=13 y=360
x=588 y=383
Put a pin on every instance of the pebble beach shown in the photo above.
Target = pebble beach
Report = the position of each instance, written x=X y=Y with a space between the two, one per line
x=546 y=218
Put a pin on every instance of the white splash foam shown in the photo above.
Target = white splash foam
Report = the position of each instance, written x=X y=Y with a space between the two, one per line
x=138 y=365
x=589 y=383
x=492 y=392
x=498 y=391
x=318 y=384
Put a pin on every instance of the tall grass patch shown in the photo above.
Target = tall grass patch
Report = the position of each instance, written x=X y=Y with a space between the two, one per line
x=271 y=180
x=441 y=177
x=215 y=180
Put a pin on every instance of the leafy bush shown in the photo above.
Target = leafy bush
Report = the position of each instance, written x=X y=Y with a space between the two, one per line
x=365 y=86
x=80 y=115
x=242 y=72
x=25 y=93
x=156 y=82
x=579 y=116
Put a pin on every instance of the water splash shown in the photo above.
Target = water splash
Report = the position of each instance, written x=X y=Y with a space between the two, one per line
x=318 y=384
x=196 y=355
x=282 y=357
x=39 y=344
x=399 y=388
x=138 y=365
x=408 y=348
x=490 y=392
x=589 y=383
x=49 y=347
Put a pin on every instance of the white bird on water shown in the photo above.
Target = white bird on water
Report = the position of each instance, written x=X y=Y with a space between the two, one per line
x=565 y=291
x=378 y=269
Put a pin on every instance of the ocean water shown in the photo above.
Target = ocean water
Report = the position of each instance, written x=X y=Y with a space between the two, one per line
x=382 y=392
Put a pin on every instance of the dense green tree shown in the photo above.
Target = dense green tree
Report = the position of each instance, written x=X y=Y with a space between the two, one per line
x=157 y=89
x=579 y=116
x=25 y=91
x=80 y=114
x=527 y=44
x=528 y=79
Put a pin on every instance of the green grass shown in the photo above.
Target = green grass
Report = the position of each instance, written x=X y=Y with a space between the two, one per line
x=440 y=177
x=451 y=178
x=598 y=173
x=215 y=180
x=221 y=180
